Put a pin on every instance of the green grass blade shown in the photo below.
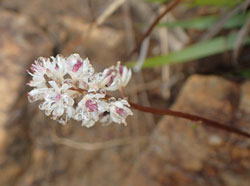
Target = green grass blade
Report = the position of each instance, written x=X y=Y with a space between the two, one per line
x=193 y=52
x=215 y=2
x=218 y=3
x=205 y=22
x=245 y=74
x=157 y=1
x=237 y=20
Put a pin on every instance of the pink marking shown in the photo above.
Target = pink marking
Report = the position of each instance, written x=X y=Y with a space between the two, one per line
x=56 y=67
x=31 y=98
x=120 y=111
x=77 y=66
x=111 y=73
x=91 y=105
x=58 y=97
x=112 y=77
x=33 y=68
x=120 y=69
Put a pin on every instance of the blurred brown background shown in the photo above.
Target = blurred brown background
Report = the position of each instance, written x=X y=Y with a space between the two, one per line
x=151 y=150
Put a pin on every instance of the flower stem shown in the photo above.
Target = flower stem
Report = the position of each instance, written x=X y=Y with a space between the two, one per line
x=192 y=117
x=198 y=119
x=168 y=7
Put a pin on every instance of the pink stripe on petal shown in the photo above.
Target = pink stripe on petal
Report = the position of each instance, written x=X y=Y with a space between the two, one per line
x=111 y=80
x=120 y=111
x=120 y=69
x=77 y=66
x=58 y=97
x=33 y=68
x=91 y=105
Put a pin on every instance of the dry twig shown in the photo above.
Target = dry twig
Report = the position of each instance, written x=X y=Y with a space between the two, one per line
x=191 y=117
x=100 y=20
x=168 y=8
x=109 y=11
x=142 y=56
x=99 y=145
x=240 y=39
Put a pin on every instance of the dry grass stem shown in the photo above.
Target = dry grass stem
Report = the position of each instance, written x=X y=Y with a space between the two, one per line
x=109 y=11
x=142 y=55
x=99 y=145
x=241 y=36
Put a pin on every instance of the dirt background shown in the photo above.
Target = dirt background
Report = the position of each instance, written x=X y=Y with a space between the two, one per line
x=151 y=150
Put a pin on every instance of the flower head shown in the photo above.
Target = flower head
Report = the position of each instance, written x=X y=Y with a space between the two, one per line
x=58 y=103
x=69 y=88
x=79 y=70
x=116 y=77
x=90 y=108
x=118 y=111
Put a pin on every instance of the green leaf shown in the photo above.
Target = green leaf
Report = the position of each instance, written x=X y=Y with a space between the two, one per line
x=215 y=2
x=196 y=51
x=242 y=73
x=205 y=22
x=157 y=1
x=218 y=3
x=245 y=73
x=237 y=20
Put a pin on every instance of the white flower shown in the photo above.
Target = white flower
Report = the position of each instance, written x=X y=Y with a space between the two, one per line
x=119 y=111
x=80 y=70
x=68 y=88
x=37 y=71
x=96 y=83
x=116 y=77
x=57 y=102
x=125 y=74
x=56 y=68
x=89 y=109
x=37 y=94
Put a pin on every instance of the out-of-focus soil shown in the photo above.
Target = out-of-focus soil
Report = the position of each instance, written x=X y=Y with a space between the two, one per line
x=171 y=152
x=184 y=153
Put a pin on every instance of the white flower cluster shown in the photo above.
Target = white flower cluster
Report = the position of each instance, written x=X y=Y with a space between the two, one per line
x=69 y=88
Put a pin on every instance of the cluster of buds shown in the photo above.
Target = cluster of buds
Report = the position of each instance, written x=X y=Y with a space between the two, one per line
x=68 y=88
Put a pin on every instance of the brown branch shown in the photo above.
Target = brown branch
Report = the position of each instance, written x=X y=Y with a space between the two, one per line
x=198 y=119
x=192 y=117
x=168 y=8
